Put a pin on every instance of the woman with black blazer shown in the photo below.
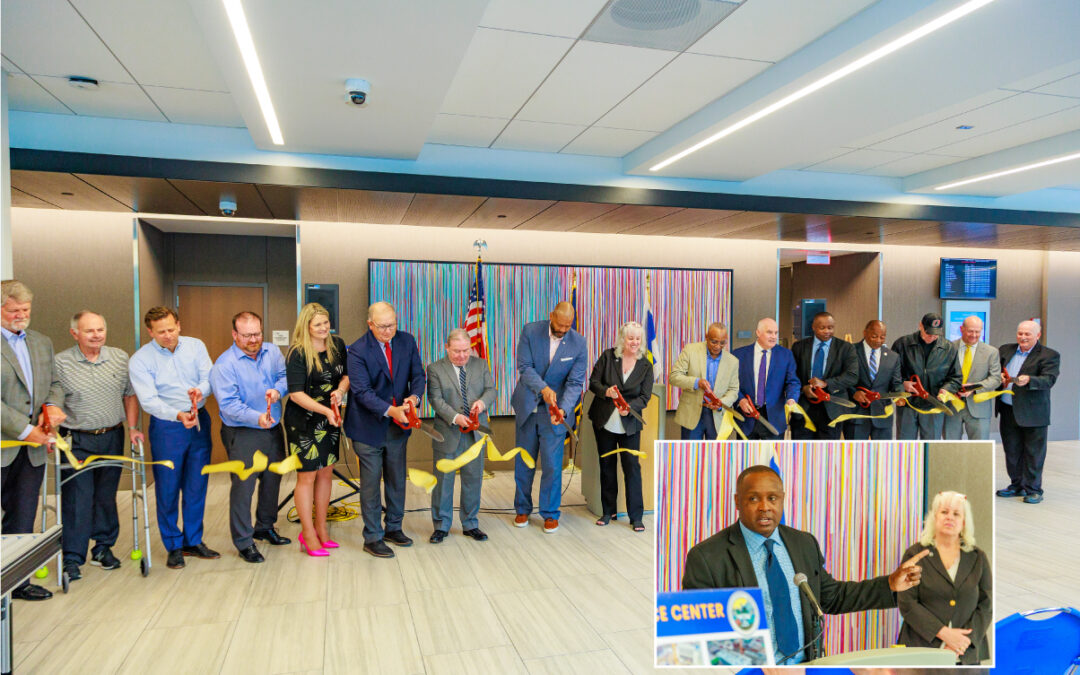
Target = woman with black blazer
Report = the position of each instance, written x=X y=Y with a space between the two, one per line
x=950 y=608
x=620 y=370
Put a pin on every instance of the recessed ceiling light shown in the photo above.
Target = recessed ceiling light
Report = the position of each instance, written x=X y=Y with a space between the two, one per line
x=81 y=82
x=965 y=127
x=1009 y=172
x=856 y=65
x=251 y=61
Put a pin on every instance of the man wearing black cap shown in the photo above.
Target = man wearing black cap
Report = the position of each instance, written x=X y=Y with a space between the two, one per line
x=935 y=362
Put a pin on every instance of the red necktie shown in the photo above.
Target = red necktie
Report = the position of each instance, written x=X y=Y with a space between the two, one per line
x=390 y=364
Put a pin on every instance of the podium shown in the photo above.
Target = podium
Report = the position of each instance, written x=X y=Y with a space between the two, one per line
x=890 y=656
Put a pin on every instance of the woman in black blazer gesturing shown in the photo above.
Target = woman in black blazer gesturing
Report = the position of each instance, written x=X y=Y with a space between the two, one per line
x=950 y=608
x=620 y=370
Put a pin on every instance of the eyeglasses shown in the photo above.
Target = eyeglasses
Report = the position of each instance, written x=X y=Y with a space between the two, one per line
x=250 y=336
x=384 y=326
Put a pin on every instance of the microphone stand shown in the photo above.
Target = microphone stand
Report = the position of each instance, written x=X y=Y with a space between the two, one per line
x=814 y=627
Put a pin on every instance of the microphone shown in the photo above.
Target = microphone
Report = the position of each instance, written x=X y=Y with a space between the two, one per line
x=801 y=581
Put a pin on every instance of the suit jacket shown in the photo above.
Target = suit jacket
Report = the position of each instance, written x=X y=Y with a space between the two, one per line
x=637 y=390
x=1031 y=403
x=444 y=395
x=886 y=380
x=840 y=374
x=690 y=366
x=781 y=383
x=18 y=409
x=723 y=561
x=985 y=371
x=565 y=373
x=938 y=600
x=940 y=370
x=372 y=389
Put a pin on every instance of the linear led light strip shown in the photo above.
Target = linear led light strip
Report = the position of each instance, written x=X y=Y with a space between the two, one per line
x=251 y=60
x=1007 y=172
x=881 y=52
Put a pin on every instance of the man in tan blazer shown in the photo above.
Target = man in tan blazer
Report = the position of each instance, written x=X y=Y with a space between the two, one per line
x=980 y=368
x=704 y=367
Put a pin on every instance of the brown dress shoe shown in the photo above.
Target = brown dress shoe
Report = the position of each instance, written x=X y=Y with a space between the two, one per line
x=521 y=520
x=550 y=525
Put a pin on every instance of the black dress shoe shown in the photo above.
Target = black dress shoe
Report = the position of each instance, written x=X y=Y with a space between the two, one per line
x=273 y=537
x=201 y=550
x=1033 y=498
x=378 y=549
x=31 y=592
x=476 y=533
x=105 y=560
x=251 y=555
x=72 y=571
x=437 y=536
x=1010 y=492
x=176 y=559
x=398 y=538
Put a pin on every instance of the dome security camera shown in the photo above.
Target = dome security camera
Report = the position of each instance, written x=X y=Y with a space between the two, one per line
x=357 y=90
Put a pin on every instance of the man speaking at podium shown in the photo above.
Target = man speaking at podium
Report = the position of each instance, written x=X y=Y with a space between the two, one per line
x=759 y=551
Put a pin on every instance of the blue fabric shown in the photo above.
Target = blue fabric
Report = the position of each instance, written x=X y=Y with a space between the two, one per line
x=1013 y=366
x=873 y=365
x=821 y=355
x=464 y=391
x=240 y=384
x=372 y=388
x=565 y=374
x=161 y=378
x=189 y=450
x=755 y=546
x=787 y=639
x=781 y=384
x=705 y=429
x=544 y=442
x=442 y=496
x=711 y=366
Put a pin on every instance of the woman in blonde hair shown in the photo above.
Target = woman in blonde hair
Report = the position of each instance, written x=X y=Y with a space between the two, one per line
x=950 y=608
x=315 y=372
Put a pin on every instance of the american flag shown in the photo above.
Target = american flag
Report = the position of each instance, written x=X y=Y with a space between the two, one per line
x=474 y=318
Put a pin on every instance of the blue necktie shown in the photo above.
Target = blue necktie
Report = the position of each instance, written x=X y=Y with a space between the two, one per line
x=787 y=638
x=818 y=368
x=873 y=365
x=461 y=382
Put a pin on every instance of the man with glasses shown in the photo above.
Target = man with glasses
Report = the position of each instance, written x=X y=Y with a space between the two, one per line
x=249 y=381
x=385 y=375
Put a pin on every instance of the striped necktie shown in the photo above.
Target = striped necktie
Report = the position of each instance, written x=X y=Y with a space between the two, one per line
x=461 y=383
x=873 y=365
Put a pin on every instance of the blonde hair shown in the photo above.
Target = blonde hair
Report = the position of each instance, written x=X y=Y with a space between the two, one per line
x=620 y=340
x=949 y=498
x=301 y=338
x=15 y=290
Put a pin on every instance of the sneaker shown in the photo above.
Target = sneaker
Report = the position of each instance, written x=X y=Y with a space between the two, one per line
x=521 y=520
x=72 y=571
x=105 y=559
x=550 y=525
x=1033 y=498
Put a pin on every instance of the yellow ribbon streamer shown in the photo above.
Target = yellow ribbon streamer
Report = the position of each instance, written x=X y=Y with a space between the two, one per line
x=796 y=408
x=987 y=395
x=423 y=479
x=258 y=463
x=63 y=446
x=290 y=463
x=16 y=444
x=855 y=416
x=631 y=451
x=727 y=425
x=948 y=397
x=447 y=465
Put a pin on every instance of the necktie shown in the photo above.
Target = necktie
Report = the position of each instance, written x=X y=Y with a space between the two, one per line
x=818 y=369
x=966 y=367
x=873 y=365
x=390 y=365
x=461 y=383
x=787 y=639
x=761 y=375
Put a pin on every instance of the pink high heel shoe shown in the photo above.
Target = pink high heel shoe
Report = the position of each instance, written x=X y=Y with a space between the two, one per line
x=330 y=543
x=314 y=553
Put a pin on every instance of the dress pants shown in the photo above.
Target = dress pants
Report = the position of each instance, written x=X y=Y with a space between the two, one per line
x=913 y=426
x=189 y=450
x=607 y=441
x=863 y=430
x=20 y=487
x=759 y=432
x=820 y=417
x=472 y=478
x=705 y=429
x=88 y=496
x=1025 y=452
x=241 y=443
x=382 y=468
x=977 y=429
x=544 y=441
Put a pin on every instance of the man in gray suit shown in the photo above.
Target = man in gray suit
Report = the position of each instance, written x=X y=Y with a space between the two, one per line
x=29 y=382
x=458 y=385
x=980 y=367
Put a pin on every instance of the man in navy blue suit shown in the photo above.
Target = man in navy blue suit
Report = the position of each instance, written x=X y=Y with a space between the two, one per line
x=384 y=371
x=767 y=375
x=551 y=364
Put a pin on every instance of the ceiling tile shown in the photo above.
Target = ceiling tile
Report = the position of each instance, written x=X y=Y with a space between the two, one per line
x=857 y=160
x=26 y=94
x=440 y=210
x=590 y=81
x=465 y=130
x=1045 y=77
x=912 y=164
x=1069 y=86
x=822 y=157
x=111 y=99
x=536 y=136
x=28 y=201
x=500 y=70
x=167 y=49
x=606 y=142
x=504 y=214
x=564 y=216
x=194 y=106
x=1017 y=134
x=932 y=117
x=9 y=66
x=770 y=30
x=73 y=49
x=1007 y=112
x=681 y=88
x=568 y=18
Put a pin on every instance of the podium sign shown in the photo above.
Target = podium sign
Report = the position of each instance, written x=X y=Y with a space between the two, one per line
x=715 y=627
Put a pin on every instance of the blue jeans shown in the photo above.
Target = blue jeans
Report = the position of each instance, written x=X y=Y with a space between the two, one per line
x=705 y=429
x=544 y=441
x=189 y=450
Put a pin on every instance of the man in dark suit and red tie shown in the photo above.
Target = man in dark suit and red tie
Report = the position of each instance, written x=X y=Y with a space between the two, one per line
x=829 y=364
x=767 y=376
x=879 y=371
x=385 y=371
x=1025 y=414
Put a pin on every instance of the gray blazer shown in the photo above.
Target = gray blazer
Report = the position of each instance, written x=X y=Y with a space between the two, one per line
x=985 y=371
x=18 y=409
x=444 y=395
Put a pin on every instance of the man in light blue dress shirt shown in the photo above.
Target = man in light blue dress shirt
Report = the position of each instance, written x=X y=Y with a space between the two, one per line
x=171 y=376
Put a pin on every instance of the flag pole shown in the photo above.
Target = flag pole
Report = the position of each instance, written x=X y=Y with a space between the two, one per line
x=569 y=446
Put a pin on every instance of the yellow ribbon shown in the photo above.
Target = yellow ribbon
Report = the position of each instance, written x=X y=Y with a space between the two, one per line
x=854 y=416
x=290 y=463
x=423 y=479
x=630 y=451
x=796 y=408
x=949 y=397
x=727 y=425
x=258 y=463
x=16 y=444
x=987 y=395
x=447 y=465
x=63 y=446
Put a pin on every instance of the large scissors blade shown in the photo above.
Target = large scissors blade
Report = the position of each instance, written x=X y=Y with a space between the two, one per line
x=841 y=401
x=430 y=431
x=768 y=425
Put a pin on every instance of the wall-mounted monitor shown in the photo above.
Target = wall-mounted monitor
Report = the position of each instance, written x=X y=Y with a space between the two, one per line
x=968 y=279
x=327 y=296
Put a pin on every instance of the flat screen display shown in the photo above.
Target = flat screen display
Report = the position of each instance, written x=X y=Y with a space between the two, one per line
x=968 y=279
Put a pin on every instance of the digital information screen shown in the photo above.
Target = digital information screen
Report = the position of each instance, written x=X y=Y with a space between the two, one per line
x=967 y=278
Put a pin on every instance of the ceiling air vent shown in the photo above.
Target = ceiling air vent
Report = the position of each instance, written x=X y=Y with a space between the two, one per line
x=658 y=24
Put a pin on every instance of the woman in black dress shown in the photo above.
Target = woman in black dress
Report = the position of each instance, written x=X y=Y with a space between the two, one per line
x=620 y=370
x=315 y=372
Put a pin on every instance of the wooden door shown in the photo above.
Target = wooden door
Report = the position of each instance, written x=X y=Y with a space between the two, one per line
x=206 y=313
